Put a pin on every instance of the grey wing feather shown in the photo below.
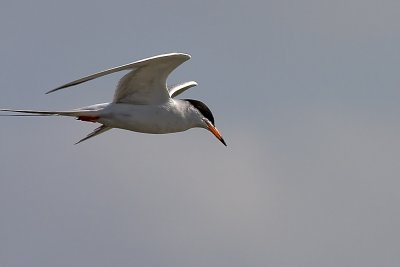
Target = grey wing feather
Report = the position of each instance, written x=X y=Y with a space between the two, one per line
x=148 y=83
x=94 y=76
x=145 y=83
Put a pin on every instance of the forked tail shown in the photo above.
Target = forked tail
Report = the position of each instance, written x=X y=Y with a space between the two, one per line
x=83 y=115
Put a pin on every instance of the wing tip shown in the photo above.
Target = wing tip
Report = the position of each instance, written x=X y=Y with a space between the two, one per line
x=65 y=86
x=95 y=132
x=59 y=88
x=51 y=91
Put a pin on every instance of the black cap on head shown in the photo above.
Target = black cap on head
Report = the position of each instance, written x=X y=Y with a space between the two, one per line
x=204 y=110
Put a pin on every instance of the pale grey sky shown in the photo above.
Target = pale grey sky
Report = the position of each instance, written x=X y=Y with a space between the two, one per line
x=305 y=93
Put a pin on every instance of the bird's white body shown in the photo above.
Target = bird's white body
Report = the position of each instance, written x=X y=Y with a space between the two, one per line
x=172 y=116
x=142 y=101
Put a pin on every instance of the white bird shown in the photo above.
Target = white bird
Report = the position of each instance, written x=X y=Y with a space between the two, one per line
x=142 y=101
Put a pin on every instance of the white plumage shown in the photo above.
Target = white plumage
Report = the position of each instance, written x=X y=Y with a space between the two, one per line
x=142 y=101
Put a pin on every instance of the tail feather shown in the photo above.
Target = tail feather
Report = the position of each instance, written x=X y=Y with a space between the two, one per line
x=84 y=115
x=96 y=131
x=31 y=112
x=25 y=115
x=72 y=113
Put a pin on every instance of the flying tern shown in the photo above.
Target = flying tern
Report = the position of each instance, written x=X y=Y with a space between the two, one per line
x=143 y=102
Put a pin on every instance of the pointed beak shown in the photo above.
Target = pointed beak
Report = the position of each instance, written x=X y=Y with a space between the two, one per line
x=215 y=132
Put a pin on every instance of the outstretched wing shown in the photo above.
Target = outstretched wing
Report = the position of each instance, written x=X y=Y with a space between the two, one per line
x=145 y=83
x=178 y=89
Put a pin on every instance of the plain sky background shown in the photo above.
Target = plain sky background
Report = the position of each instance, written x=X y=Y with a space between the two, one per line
x=306 y=94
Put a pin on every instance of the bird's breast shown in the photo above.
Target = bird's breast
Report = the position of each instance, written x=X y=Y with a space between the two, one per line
x=145 y=118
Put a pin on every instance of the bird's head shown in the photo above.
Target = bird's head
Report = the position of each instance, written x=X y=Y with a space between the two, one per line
x=206 y=117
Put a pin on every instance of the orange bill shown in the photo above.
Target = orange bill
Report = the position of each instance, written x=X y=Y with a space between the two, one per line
x=215 y=132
